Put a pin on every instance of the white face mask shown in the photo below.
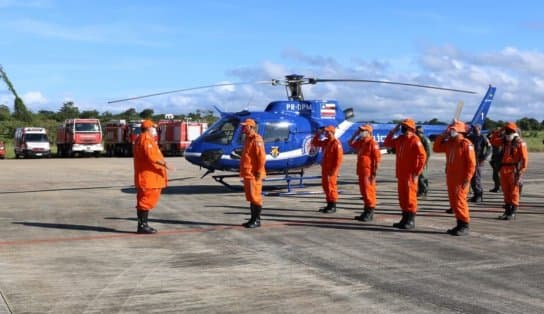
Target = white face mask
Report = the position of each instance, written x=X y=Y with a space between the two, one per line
x=453 y=133
x=510 y=137
x=364 y=133
x=153 y=132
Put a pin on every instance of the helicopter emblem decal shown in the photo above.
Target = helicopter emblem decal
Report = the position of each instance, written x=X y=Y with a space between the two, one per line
x=275 y=151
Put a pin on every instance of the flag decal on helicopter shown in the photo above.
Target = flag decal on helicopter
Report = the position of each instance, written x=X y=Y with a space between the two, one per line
x=328 y=111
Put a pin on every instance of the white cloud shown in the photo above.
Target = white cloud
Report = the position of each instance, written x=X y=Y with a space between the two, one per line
x=34 y=99
x=520 y=90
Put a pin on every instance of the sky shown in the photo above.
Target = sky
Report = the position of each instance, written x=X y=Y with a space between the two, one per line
x=92 y=52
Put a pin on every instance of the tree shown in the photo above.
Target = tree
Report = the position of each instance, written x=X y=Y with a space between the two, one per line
x=4 y=113
x=47 y=114
x=528 y=124
x=147 y=113
x=89 y=114
x=130 y=114
x=20 y=112
x=68 y=111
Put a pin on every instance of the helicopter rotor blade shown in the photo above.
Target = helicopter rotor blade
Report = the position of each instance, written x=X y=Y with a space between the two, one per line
x=393 y=83
x=188 y=89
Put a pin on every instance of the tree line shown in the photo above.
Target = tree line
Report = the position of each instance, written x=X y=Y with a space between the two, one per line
x=50 y=120
x=21 y=116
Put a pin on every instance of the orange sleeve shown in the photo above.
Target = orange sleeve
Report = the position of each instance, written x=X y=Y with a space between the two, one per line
x=439 y=146
x=470 y=156
x=317 y=142
x=524 y=160
x=421 y=155
x=389 y=141
x=377 y=156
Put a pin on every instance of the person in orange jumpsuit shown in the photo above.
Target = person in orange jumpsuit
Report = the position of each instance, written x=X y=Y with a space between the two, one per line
x=149 y=175
x=368 y=158
x=512 y=167
x=253 y=172
x=460 y=167
x=330 y=165
x=410 y=161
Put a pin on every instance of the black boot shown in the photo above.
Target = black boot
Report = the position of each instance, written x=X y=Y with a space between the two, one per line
x=410 y=222
x=252 y=219
x=449 y=210
x=143 y=228
x=495 y=189
x=461 y=229
x=477 y=198
x=507 y=215
x=331 y=208
x=402 y=220
x=453 y=230
x=366 y=215
x=256 y=222
x=324 y=209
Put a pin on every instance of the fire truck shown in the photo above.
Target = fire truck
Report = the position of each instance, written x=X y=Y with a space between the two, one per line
x=2 y=150
x=119 y=136
x=176 y=135
x=78 y=137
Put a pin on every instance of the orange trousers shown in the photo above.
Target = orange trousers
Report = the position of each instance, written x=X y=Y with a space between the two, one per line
x=253 y=189
x=330 y=187
x=457 y=196
x=509 y=187
x=368 y=191
x=147 y=199
x=407 y=191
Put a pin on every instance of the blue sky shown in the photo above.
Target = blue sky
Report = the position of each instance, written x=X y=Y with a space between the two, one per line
x=90 y=52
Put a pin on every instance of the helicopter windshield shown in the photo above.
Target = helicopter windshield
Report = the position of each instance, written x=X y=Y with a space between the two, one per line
x=221 y=132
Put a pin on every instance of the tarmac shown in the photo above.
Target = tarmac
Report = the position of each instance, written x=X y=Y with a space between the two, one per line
x=68 y=245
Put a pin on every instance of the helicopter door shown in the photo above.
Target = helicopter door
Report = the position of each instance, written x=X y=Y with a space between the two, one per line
x=276 y=139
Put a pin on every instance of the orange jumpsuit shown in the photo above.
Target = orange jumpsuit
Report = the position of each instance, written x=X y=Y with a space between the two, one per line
x=513 y=164
x=149 y=177
x=368 y=158
x=252 y=161
x=460 y=167
x=330 y=165
x=410 y=161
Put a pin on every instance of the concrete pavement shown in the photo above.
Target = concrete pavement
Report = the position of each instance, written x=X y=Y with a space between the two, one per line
x=67 y=245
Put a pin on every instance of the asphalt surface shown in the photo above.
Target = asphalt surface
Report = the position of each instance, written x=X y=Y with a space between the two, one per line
x=67 y=245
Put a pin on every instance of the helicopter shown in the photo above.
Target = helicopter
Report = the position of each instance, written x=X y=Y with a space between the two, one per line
x=287 y=128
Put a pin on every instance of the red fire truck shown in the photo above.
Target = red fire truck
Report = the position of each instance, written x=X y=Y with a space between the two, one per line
x=2 y=150
x=176 y=135
x=79 y=136
x=119 y=136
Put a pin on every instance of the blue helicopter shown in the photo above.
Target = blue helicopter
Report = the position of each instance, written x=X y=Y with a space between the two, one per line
x=287 y=128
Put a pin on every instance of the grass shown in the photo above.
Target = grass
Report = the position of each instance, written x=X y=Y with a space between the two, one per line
x=534 y=140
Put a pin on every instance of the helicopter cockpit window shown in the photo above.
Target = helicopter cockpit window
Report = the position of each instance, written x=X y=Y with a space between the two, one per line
x=276 y=132
x=222 y=132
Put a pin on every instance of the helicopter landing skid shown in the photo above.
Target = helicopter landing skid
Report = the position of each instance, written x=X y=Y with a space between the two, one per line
x=289 y=177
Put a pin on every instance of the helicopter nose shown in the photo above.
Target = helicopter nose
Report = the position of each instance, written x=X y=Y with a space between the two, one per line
x=211 y=157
